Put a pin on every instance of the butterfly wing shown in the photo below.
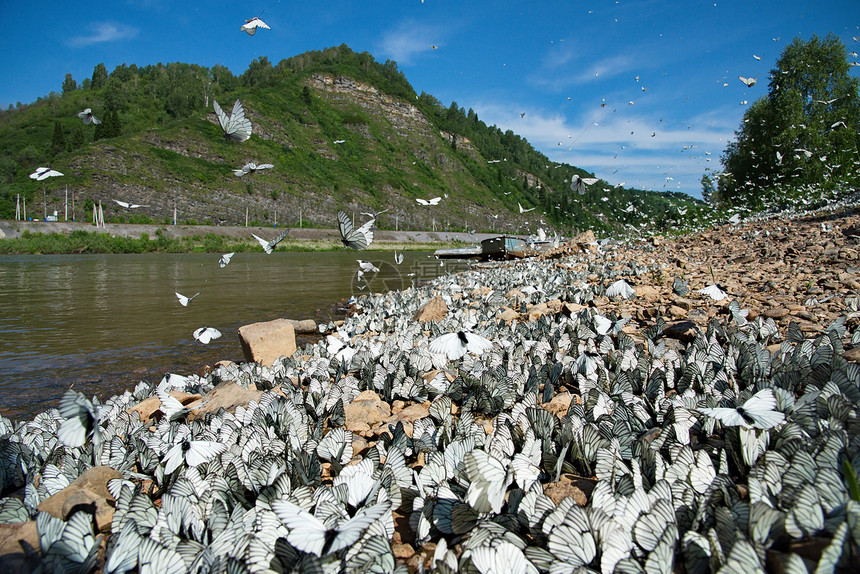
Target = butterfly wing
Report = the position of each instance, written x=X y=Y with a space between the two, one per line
x=351 y=530
x=263 y=242
x=477 y=344
x=201 y=451
x=729 y=417
x=238 y=126
x=449 y=345
x=225 y=259
x=222 y=117
x=183 y=300
x=307 y=533
x=761 y=407
x=173 y=458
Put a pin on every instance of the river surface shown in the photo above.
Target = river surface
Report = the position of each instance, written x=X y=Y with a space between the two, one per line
x=105 y=322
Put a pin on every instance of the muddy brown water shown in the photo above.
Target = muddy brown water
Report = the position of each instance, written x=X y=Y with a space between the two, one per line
x=102 y=323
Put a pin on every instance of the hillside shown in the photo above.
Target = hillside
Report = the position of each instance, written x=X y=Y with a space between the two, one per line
x=342 y=131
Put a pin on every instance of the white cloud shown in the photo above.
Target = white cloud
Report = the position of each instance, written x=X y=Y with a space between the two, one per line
x=409 y=39
x=677 y=150
x=104 y=32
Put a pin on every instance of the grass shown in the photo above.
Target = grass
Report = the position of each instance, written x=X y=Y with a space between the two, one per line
x=95 y=242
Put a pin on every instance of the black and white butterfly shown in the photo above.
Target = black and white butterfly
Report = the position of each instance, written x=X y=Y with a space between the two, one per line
x=42 y=173
x=237 y=128
x=455 y=345
x=354 y=238
x=191 y=452
x=127 y=205
x=758 y=411
x=206 y=334
x=82 y=420
x=88 y=117
x=183 y=300
x=250 y=26
x=225 y=259
x=309 y=534
x=749 y=82
x=269 y=246
x=434 y=201
x=398 y=257
x=251 y=167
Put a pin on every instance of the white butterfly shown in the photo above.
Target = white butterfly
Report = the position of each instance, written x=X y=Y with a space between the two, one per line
x=206 y=334
x=237 y=128
x=714 y=292
x=455 y=345
x=488 y=481
x=522 y=210
x=44 y=173
x=398 y=258
x=225 y=259
x=434 y=201
x=758 y=411
x=310 y=535
x=502 y=556
x=620 y=288
x=250 y=26
x=171 y=407
x=367 y=266
x=192 y=452
x=82 y=419
x=251 y=167
x=354 y=238
x=88 y=117
x=127 y=205
x=183 y=300
x=750 y=82
x=269 y=246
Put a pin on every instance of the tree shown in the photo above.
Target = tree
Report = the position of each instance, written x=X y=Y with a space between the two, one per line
x=69 y=84
x=58 y=141
x=100 y=76
x=78 y=139
x=803 y=135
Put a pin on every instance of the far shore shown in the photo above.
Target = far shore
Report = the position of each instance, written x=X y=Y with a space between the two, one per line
x=299 y=239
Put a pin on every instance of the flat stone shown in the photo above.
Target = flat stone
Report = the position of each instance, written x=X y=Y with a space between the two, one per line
x=775 y=312
x=647 y=292
x=303 y=325
x=88 y=491
x=433 y=310
x=227 y=395
x=12 y=535
x=682 y=330
x=366 y=411
x=578 y=488
x=267 y=341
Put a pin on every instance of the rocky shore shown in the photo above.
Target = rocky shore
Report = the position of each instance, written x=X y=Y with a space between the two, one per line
x=656 y=430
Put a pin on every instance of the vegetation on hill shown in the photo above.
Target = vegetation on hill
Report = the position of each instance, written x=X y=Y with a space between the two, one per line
x=801 y=141
x=342 y=130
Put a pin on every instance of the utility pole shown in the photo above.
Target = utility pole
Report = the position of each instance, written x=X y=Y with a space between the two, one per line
x=66 y=204
x=18 y=207
x=246 y=217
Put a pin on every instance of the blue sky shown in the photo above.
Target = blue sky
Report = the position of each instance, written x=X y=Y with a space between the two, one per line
x=660 y=66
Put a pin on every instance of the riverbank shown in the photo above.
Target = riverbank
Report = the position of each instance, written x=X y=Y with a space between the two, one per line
x=596 y=430
x=75 y=237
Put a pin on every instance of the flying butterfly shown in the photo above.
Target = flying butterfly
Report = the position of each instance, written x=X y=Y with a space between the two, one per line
x=183 y=300
x=354 y=238
x=434 y=201
x=269 y=246
x=750 y=82
x=206 y=334
x=82 y=420
x=42 y=173
x=237 y=128
x=455 y=345
x=225 y=259
x=88 y=117
x=250 y=26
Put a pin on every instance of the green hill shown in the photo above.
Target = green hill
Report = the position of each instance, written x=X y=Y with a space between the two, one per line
x=343 y=132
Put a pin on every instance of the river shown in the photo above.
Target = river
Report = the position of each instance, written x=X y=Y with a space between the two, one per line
x=102 y=323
